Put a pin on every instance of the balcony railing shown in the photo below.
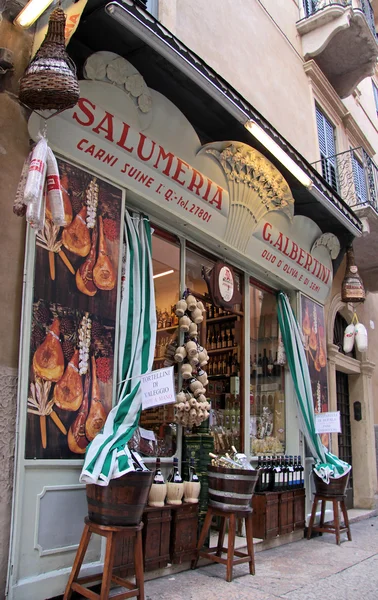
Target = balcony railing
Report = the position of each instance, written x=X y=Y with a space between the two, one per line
x=311 y=7
x=353 y=175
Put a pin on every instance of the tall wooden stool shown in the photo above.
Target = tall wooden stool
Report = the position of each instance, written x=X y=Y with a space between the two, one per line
x=215 y=554
x=106 y=577
x=332 y=527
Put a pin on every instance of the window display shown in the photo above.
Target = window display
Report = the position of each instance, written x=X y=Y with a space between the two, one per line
x=160 y=420
x=267 y=395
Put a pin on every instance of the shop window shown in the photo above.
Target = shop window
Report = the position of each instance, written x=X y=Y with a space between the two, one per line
x=267 y=392
x=327 y=147
x=221 y=334
x=166 y=268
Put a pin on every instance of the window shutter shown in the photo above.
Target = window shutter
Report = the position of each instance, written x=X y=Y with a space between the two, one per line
x=359 y=179
x=326 y=136
x=375 y=92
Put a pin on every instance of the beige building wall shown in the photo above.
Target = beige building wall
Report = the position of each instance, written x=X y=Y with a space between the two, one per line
x=256 y=48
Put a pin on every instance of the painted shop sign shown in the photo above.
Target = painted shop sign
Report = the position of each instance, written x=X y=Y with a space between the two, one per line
x=287 y=258
x=105 y=133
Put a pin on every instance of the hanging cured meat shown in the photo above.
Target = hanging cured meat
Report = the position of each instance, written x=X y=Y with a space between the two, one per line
x=48 y=360
x=76 y=236
x=84 y=274
x=77 y=441
x=68 y=392
x=104 y=275
x=313 y=341
x=97 y=413
x=306 y=325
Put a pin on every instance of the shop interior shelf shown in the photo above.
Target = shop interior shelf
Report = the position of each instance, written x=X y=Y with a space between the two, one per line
x=221 y=319
x=219 y=350
x=172 y=328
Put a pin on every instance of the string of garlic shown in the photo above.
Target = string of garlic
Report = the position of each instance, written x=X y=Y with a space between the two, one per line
x=84 y=343
x=92 y=202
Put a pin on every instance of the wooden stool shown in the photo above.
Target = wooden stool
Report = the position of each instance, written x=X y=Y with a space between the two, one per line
x=215 y=554
x=333 y=527
x=107 y=577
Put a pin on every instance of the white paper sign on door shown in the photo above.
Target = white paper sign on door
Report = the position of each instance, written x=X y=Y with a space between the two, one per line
x=158 y=387
x=328 y=422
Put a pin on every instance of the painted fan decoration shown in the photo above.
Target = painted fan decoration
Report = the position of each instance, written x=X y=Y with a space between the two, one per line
x=256 y=188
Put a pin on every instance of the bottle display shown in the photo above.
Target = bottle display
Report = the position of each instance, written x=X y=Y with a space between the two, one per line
x=225 y=353
x=267 y=405
x=192 y=487
x=175 y=485
x=279 y=473
x=158 y=489
x=352 y=287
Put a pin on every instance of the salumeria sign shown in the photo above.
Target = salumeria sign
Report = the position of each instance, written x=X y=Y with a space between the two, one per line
x=143 y=161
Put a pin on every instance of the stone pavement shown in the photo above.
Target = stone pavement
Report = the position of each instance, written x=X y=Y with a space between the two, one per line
x=304 y=570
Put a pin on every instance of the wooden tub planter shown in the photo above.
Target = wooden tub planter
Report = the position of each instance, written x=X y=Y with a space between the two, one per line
x=122 y=502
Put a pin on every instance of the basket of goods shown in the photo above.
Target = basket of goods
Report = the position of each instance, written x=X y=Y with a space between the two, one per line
x=50 y=82
x=122 y=502
x=232 y=482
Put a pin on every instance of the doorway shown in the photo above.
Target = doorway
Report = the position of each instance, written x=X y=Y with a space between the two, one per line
x=345 y=437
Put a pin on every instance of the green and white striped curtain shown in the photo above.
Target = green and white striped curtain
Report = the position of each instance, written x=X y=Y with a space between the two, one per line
x=327 y=464
x=107 y=456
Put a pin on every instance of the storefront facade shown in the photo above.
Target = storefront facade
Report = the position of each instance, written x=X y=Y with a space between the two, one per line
x=206 y=201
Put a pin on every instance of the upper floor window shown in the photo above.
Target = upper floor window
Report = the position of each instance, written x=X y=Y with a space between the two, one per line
x=327 y=147
x=375 y=92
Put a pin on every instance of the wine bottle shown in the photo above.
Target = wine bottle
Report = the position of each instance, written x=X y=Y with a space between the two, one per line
x=230 y=341
x=259 y=366
x=301 y=471
x=158 y=477
x=192 y=471
x=352 y=288
x=158 y=490
x=270 y=365
x=174 y=476
x=219 y=340
x=223 y=338
x=264 y=363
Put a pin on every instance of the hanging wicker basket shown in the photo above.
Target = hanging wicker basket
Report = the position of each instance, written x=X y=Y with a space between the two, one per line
x=50 y=81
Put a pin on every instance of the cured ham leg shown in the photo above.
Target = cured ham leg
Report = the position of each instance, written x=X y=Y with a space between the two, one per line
x=104 y=276
x=97 y=414
x=76 y=236
x=68 y=392
x=48 y=359
x=84 y=274
x=77 y=441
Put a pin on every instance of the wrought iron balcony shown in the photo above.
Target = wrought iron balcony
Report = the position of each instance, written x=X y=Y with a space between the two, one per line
x=340 y=36
x=312 y=7
x=353 y=175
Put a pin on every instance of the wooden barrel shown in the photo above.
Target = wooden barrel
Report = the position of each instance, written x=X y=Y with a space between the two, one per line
x=231 y=489
x=335 y=487
x=122 y=502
